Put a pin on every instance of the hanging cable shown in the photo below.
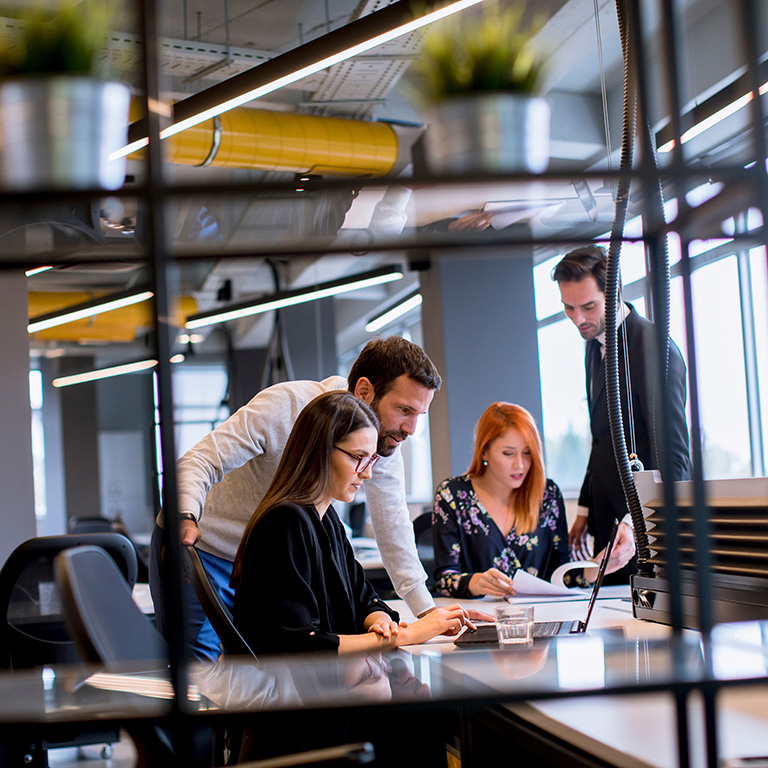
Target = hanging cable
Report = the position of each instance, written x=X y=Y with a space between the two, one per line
x=603 y=91
x=613 y=396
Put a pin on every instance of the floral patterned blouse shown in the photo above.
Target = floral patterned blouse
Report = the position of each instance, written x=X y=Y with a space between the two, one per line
x=468 y=541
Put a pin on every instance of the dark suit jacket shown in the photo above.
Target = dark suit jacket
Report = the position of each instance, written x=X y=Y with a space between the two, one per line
x=602 y=492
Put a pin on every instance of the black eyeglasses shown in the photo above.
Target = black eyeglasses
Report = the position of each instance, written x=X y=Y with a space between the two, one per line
x=363 y=462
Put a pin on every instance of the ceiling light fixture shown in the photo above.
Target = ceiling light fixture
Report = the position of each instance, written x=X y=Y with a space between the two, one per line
x=339 y=45
x=36 y=271
x=393 y=312
x=106 y=373
x=299 y=296
x=87 y=309
x=712 y=111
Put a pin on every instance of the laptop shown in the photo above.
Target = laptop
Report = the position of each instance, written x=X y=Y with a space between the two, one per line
x=542 y=630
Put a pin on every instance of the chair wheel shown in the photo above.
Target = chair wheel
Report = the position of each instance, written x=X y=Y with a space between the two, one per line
x=106 y=752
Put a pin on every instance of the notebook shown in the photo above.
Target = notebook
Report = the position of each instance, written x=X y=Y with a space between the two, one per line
x=486 y=633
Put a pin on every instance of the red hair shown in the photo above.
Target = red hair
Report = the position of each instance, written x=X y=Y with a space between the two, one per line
x=497 y=419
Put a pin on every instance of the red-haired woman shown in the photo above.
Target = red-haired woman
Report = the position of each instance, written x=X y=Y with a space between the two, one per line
x=502 y=515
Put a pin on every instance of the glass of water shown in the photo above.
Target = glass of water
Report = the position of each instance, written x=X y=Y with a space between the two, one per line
x=514 y=624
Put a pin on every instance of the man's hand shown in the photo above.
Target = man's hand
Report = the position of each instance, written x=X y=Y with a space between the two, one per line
x=190 y=533
x=623 y=548
x=456 y=611
x=477 y=221
x=622 y=552
x=437 y=621
x=577 y=539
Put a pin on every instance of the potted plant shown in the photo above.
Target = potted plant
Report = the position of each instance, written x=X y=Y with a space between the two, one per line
x=478 y=79
x=61 y=117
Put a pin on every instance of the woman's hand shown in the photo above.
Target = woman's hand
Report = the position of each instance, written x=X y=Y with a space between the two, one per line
x=438 y=621
x=380 y=623
x=492 y=582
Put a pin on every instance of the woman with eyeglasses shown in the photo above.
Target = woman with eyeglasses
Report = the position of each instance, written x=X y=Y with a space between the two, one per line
x=297 y=584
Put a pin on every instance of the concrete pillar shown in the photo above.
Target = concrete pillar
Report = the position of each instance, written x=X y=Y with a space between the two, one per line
x=80 y=441
x=17 y=503
x=480 y=330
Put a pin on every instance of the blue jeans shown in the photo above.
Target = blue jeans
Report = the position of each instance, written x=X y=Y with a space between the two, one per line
x=203 y=640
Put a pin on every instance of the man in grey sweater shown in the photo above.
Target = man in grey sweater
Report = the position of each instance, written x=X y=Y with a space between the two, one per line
x=222 y=478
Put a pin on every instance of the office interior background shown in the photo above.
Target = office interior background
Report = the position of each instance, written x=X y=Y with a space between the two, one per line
x=489 y=314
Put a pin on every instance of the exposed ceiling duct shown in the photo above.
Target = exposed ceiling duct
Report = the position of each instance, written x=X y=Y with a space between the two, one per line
x=285 y=141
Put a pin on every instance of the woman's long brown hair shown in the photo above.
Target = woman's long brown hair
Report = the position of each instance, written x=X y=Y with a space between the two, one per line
x=305 y=467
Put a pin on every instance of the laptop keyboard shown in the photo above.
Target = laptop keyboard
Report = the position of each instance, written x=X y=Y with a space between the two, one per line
x=546 y=628
x=551 y=628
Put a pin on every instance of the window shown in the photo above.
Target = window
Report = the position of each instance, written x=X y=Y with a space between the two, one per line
x=38 y=442
x=733 y=398
x=197 y=392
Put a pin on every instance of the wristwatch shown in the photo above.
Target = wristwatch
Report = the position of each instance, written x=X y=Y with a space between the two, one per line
x=188 y=516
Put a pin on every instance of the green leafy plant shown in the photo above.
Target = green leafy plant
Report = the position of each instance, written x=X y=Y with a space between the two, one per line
x=491 y=52
x=68 y=37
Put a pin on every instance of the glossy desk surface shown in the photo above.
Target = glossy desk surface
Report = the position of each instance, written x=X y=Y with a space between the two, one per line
x=569 y=685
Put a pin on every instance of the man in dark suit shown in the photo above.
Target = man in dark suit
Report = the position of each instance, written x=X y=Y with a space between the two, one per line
x=581 y=278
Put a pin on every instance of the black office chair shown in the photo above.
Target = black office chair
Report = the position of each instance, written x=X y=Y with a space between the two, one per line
x=232 y=642
x=101 y=616
x=104 y=524
x=422 y=531
x=111 y=630
x=32 y=628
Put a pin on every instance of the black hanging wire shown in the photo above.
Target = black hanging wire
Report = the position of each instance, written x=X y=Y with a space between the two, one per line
x=277 y=364
x=612 y=297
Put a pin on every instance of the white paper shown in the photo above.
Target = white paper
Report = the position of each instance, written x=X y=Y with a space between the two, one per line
x=526 y=584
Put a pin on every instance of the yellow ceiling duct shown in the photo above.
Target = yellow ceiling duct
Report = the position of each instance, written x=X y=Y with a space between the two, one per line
x=285 y=141
x=116 y=325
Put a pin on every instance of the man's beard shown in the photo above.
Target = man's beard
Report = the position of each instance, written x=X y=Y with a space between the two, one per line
x=600 y=328
x=382 y=447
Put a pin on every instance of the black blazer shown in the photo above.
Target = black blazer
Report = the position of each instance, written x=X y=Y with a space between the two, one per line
x=602 y=492
x=301 y=586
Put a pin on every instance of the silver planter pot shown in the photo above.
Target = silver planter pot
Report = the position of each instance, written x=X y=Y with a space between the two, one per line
x=59 y=131
x=488 y=133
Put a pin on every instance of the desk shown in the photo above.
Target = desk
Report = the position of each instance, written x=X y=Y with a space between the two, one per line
x=569 y=702
x=628 y=730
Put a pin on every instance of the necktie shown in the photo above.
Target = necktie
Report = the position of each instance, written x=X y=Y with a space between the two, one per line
x=596 y=358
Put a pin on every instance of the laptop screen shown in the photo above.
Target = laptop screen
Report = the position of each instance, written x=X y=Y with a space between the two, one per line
x=601 y=572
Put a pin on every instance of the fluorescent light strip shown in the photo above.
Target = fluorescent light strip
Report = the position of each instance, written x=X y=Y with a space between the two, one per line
x=89 y=311
x=106 y=373
x=36 y=271
x=311 y=295
x=409 y=303
x=714 y=119
x=293 y=77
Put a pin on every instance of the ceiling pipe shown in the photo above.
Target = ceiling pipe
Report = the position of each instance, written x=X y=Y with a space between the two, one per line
x=285 y=141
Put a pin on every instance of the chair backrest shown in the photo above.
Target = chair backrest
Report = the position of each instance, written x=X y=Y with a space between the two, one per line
x=100 y=524
x=422 y=531
x=232 y=642
x=101 y=616
x=32 y=628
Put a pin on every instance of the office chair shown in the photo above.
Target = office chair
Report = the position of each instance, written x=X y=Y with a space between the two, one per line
x=422 y=531
x=101 y=616
x=232 y=642
x=102 y=524
x=111 y=630
x=32 y=629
